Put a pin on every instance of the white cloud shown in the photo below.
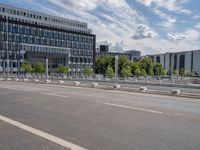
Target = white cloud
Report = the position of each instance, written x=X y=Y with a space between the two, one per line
x=197 y=26
x=176 y=37
x=143 y=32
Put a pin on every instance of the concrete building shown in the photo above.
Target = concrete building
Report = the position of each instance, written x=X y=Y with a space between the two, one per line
x=186 y=60
x=36 y=36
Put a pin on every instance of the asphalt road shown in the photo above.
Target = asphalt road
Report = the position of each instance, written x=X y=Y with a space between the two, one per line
x=94 y=119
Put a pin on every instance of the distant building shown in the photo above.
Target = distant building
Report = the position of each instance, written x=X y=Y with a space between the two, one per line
x=133 y=54
x=35 y=36
x=186 y=60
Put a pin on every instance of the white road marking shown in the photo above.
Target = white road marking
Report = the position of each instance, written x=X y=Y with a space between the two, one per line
x=42 y=134
x=52 y=94
x=134 y=108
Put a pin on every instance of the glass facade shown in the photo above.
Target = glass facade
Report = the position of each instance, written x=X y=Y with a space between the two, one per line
x=21 y=40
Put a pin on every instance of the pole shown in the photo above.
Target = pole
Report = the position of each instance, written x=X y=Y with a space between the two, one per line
x=7 y=52
x=47 y=69
x=116 y=67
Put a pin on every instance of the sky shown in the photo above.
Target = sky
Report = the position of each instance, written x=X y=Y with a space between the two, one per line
x=151 y=26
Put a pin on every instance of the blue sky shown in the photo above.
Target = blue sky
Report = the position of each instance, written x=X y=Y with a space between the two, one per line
x=152 y=26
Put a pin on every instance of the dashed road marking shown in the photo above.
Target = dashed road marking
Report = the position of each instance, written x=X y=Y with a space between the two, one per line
x=134 y=108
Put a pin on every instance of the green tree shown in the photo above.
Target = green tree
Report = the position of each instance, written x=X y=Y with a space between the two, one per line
x=62 y=69
x=102 y=62
x=143 y=72
x=109 y=71
x=39 y=67
x=137 y=72
x=123 y=62
x=126 y=71
x=27 y=67
x=134 y=67
x=157 y=69
x=88 y=70
x=164 y=72
x=176 y=72
x=147 y=64
x=187 y=73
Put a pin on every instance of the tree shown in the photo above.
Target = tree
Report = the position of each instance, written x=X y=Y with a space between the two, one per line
x=147 y=64
x=102 y=62
x=137 y=72
x=157 y=69
x=123 y=62
x=88 y=70
x=126 y=71
x=164 y=72
x=134 y=67
x=27 y=67
x=143 y=73
x=187 y=73
x=62 y=69
x=39 y=67
x=109 y=71
x=176 y=72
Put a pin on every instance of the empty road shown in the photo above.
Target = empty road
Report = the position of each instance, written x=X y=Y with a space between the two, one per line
x=41 y=116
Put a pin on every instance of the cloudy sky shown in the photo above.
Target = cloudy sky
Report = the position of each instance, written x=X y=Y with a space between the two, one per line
x=151 y=26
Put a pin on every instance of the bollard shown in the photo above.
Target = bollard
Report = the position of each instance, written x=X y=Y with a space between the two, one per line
x=47 y=81
x=25 y=79
x=176 y=92
x=76 y=83
x=8 y=79
x=2 y=79
x=143 y=89
x=117 y=86
x=94 y=84
x=61 y=82
x=36 y=80
x=16 y=79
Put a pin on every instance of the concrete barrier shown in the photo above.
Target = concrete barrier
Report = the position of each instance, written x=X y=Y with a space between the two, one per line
x=36 y=80
x=47 y=81
x=116 y=86
x=16 y=79
x=94 y=84
x=143 y=88
x=8 y=79
x=25 y=80
x=176 y=92
x=2 y=79
x=76 y=83
x=61 y=82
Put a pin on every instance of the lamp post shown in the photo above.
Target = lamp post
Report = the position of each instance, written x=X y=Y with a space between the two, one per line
x=116 y=67
x=7 y=51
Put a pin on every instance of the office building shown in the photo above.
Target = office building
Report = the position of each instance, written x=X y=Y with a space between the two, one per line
x=36 y=36
x=186 y=60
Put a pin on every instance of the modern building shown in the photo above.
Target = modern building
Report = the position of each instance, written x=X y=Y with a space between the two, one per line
x=186 y=60
x=133 y=54
x=36 y=36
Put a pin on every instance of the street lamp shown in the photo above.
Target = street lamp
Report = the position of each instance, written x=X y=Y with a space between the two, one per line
x=116 y=67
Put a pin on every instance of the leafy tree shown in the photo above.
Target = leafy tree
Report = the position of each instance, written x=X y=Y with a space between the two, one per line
x=157 y=69
x=109 y=71
x=181 y=71
x=102 y=62
x=27 y=67
x=123 y=62
x=137 y=72
x=126 y=71
x=187 y=73
x=143 y=73
x=164 y=72
x=147 y=64
x=176 y=72
x=88 y=70
x=134 y=67
x=39 y=67
x=62 y=69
